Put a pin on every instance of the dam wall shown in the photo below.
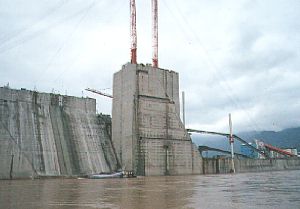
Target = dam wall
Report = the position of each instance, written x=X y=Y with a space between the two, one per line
x=147 y=131
x=242 y=165
x=45 y=134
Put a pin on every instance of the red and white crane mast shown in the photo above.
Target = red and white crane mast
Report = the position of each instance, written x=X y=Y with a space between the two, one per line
x=133 y=32
x=155 y=33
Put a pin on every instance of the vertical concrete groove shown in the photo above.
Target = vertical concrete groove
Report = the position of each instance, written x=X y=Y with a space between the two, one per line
x=105 y=154
x=121 y=126
x=38 y=128
x=58 y=141
x=136 y=138
x=108 y=130
x=11 y=167
x=140 y=158
x=70 y=145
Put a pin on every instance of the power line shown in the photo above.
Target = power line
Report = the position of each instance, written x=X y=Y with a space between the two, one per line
x=20 y=32
x=27 y=37
x=217 y=74
x=83 y=17
x=68 y=39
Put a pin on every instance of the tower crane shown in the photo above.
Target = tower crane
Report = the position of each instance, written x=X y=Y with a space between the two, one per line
x=155 y=33
x=133 y=34
x=228 y=135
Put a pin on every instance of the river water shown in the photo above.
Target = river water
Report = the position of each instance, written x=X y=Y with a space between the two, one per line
x=252 y=190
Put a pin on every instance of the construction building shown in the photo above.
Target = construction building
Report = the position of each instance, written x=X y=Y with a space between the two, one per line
x=147 y=132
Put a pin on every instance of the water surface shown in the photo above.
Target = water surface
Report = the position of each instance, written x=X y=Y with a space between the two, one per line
x=270 y=190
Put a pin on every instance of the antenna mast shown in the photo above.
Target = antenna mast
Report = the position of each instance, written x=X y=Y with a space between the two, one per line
x=133 y=31
x=155 y=33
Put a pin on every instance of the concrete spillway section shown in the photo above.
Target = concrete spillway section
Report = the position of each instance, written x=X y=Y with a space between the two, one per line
x=147 y=132
x=52 y=135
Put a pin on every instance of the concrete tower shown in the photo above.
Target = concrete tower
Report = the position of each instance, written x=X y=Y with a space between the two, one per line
x=147 y=132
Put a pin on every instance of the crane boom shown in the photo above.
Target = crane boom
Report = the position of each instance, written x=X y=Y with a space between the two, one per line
x=280 y=151
x=99 y=92
x=228 y=135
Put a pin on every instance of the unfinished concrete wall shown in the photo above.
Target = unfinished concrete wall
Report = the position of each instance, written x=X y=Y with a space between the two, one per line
x=51 y=135
x=148 y=134
x=123 y=116
x=223 y=165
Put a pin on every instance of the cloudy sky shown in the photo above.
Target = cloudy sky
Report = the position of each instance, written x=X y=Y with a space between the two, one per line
x=232 y=56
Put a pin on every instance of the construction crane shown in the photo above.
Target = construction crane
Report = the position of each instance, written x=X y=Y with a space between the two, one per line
x=155 y=33
x=133 y=34
x=278 y=150
x=228 y=135
x=99 y=92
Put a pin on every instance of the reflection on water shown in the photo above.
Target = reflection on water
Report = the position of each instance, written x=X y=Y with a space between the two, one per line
x=252 y=190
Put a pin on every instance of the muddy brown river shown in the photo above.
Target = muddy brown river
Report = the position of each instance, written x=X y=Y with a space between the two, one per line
x=270 y=190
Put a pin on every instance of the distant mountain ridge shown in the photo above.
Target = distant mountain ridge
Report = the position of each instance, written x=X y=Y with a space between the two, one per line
x=287 y=138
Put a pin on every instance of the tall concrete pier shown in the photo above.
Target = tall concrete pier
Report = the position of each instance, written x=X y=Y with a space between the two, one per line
x=149 y=137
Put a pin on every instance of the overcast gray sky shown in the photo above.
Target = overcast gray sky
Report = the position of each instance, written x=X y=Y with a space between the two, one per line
x=238 y=56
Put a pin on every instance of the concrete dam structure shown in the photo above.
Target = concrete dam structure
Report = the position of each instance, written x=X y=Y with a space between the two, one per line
x=45 y=134
x=147 y=131
x=51 y=135
x=246 y=165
